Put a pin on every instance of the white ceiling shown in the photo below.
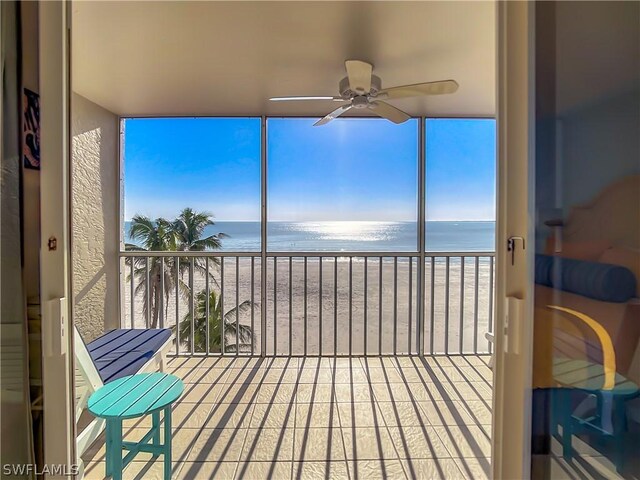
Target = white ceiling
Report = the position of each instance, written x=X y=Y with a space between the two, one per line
x=228 y=58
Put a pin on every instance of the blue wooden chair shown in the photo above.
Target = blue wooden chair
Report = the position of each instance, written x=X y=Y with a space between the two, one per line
x=114 y=355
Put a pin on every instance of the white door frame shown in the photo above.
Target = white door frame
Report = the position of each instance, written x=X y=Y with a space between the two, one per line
x=511 y=446
x=57 y=349
x=513 y=339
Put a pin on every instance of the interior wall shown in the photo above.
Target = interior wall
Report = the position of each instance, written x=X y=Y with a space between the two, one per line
x=95 y=190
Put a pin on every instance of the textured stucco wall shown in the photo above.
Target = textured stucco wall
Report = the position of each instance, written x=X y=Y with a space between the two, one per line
x=95 y=240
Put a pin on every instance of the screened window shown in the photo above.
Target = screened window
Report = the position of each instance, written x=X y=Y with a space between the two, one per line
x=208 y=165
x=350 y=185
x=460 y=184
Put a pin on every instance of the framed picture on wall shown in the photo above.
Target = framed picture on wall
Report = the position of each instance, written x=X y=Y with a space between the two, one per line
x=31 y=129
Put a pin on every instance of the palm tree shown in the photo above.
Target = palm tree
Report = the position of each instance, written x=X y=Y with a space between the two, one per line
x=152 y=235
x=232 y=327
x=183 y=234
x=189 y=229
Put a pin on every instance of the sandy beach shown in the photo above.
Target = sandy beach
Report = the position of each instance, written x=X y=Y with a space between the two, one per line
x=338 y=311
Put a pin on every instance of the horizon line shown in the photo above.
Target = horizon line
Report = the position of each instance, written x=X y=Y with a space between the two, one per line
x=215 y=220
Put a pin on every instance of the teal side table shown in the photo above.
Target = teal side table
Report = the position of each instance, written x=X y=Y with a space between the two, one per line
x=610 y=418
x=131 y=397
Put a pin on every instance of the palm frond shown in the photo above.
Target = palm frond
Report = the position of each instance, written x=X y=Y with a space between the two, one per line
x=214 y=323
x=243 y=332
x=132 y=247
x=240 y=309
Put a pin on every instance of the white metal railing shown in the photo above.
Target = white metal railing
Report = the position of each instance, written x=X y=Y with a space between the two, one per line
x=312 y=303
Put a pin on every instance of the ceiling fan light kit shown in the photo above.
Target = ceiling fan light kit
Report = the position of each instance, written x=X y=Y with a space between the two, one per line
x=363 y=90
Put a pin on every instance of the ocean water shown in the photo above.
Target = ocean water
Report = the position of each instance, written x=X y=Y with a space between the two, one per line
x=461 y=236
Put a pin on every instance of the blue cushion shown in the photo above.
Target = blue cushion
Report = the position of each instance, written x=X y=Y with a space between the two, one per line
x=599 y=281
x=123 y=352
x=542 y=270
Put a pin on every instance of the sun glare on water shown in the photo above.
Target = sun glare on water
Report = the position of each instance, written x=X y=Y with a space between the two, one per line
x=363 y=231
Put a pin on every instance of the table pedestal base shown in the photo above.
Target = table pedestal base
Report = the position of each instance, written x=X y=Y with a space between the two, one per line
x=150 y=443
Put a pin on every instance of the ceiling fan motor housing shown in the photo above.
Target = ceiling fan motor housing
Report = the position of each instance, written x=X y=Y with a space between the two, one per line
x=347 y=93
x=361 y=101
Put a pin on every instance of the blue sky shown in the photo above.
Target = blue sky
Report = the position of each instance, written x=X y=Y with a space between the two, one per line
x=354 y=169
x=461 y=169
x=208 y=164
x=350 y=169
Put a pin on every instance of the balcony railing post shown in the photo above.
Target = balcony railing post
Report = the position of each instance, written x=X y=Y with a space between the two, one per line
x=206 y=308
x=237 y=305
x=432 y=313
x=176 y=262
x=132 y=293
x=122 y=275
x=304 y=302
x=223 y=330
x=380 y=306
x=395 y=305
x=366 y=312
x=263 y=236
x=490 y=322
x=461 y=326
x=420 y=298
x=475 y=305
x=446 y=306
x=275 y=305
x=290 y=306
x=409 y=316
x=162 y=286
x=335 y=305
x=192 y=312
x=320 y=305
x=350 y=306
x=147 y=291
x=253 y=301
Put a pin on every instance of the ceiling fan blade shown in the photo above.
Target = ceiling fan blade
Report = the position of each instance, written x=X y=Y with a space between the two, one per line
x=333 y=115
x=287 y=99
x=389 y=112
x=359 y=74
x=429 y=88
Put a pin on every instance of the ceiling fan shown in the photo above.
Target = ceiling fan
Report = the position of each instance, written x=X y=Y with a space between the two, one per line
x=362 y=89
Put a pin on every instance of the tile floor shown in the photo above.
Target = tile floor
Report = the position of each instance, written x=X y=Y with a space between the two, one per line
x=307 y=418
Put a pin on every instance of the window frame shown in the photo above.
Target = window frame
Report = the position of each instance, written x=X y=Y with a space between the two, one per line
x=263 y=251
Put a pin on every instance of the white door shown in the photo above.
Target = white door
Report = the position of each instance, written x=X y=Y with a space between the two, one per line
x=54 y=246
x=514 y=277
